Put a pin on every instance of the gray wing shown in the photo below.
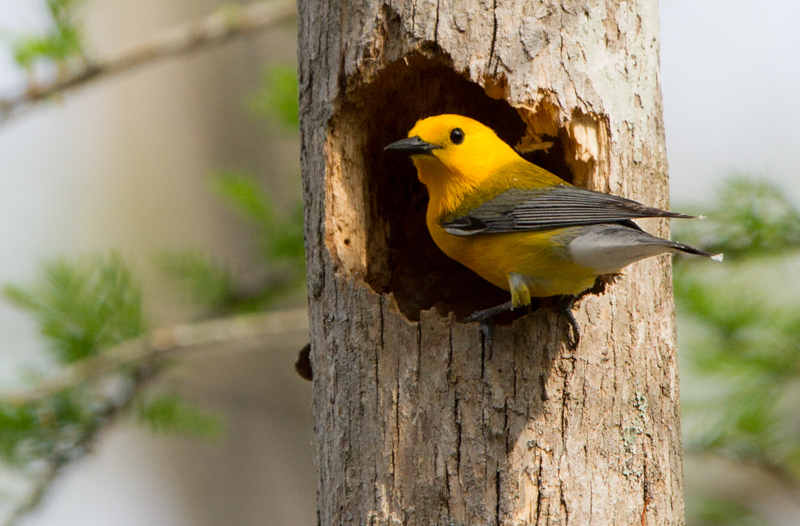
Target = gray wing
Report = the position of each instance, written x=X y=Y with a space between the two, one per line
x=544 y=209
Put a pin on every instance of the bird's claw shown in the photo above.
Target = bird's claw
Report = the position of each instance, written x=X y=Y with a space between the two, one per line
x=484 y=317
x=576 y=330
x=565 y=306
x=475 y=316
x=486 y=329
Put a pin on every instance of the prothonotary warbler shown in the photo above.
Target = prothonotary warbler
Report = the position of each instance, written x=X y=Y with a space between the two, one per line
x=519 y=226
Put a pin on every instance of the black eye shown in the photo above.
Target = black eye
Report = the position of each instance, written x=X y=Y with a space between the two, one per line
x=457 y=136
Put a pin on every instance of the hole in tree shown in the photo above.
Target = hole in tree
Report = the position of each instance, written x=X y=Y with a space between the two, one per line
x=376 y=203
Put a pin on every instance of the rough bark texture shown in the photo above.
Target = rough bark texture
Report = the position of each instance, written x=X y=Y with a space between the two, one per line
x=416 y=423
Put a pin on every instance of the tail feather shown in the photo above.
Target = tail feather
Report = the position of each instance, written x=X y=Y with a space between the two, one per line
x=611 y=247
x=694 y=251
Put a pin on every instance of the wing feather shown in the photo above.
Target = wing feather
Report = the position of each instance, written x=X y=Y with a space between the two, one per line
x=543 y=209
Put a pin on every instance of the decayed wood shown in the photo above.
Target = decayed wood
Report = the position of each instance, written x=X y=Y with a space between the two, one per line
x=415 y=422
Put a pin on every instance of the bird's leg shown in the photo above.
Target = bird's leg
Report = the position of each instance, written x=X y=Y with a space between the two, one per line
x=564 y=306
x=487 y=314
x=485 y=319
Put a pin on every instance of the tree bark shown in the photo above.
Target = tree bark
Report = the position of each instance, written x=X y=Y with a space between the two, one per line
x=416 y=421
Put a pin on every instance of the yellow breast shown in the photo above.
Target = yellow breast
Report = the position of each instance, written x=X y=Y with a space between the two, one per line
x=538 y=256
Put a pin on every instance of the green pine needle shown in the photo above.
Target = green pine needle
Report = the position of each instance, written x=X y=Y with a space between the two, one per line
x=47 y=429
x=282 y=238
x=199 y=278
x=169 y=413
x=753 y=218
x=83 y=306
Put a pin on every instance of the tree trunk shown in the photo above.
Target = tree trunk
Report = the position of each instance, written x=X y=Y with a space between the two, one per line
x=416 y=421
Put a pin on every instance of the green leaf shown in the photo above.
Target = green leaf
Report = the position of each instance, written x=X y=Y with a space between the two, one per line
x=16 y=424
x=281 y=241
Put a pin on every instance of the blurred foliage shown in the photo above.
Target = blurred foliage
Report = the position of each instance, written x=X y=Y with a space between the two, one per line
x=168 y=412
x=281 y=239
x=277 y=98
x=279 y=236
x=199 y=278
x=751 y=218
x=62 y=42
x=82 y=307
x=89 y=311
x=743 y=348
x=714 y=512
x=210 y=285
x=52 y=428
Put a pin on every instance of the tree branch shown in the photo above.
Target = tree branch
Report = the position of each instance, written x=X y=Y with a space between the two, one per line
x=219 y=336
x=213 y=30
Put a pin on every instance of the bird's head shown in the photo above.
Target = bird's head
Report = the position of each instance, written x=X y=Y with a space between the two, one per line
x=454 y=150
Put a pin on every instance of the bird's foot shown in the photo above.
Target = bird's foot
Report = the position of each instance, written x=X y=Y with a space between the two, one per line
x=484 y=317
x=564 y=306
x=488 y=314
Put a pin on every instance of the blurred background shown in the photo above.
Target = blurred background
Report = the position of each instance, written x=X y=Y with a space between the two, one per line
x=188 y=169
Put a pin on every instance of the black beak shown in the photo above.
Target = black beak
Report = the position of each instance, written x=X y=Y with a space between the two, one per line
x=412 y=145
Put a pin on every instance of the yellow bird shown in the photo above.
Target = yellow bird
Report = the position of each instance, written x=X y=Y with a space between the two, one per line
x=519 y=226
